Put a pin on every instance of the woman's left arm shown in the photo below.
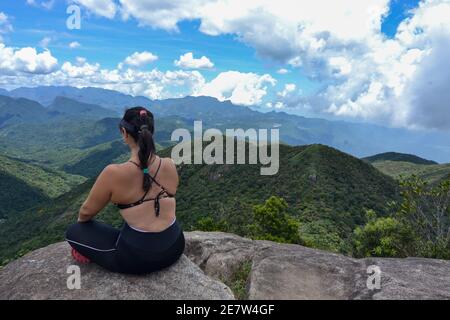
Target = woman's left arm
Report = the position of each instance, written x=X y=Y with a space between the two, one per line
x=99 y=196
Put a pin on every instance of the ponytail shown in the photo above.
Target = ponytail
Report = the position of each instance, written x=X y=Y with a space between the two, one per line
x=146 y=151
x=141 y=121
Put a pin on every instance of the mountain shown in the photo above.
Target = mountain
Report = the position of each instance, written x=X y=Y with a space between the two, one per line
x=25 y=111
x=92 y=163
x=20 y=110
x=73 y=140
x=327 y=190
x=358 y=139
x=400 y=169
x=106 y=98
x=69 y=139
x=24 y=184
x=395 y=156
x=4 y=92
x=62 y=106
x=16 y=195
x=400 y=166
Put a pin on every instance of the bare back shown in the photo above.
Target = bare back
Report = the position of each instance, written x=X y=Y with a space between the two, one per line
x=128 y=189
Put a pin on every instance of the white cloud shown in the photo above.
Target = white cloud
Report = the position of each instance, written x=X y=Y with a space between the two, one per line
x=44 y=4
x=103 y=8
x=154 y=84
x=188 y=61
x=362 y=73
x=283 y=71
x=5 y=24
x=366 y=75
x=28 y=60
x=288 y=89
x=139 y=59
x=240 y=88
x=74 y=45
x=45 y=42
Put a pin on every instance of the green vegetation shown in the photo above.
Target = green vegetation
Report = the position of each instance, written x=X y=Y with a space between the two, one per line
x=400 y=169
x=325 y=190
x=239 y=279
x=419 y=225
x=51 y=183
x=402 y=157
x=272 y=222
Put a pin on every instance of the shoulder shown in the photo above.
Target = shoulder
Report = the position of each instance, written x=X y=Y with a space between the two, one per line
x=111 y=171
x=169 y=163
x=112 y=168
x=170 y=171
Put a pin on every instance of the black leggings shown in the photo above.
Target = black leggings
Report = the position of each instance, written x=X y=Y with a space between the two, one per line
x=127 y=250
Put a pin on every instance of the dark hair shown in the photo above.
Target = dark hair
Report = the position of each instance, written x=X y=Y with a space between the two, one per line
x=139 y=123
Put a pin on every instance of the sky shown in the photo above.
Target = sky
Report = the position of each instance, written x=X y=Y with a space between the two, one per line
x=380 y=61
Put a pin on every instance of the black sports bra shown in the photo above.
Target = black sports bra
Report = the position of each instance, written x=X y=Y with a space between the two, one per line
x=162 y=194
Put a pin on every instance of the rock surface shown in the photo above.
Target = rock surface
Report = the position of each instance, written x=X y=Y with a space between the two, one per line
x=285 y=271
x=278 y=271
x=42 y=274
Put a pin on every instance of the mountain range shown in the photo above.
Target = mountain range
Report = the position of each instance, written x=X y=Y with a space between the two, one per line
x=326 y=189
x=358 y=139
x=52 y=149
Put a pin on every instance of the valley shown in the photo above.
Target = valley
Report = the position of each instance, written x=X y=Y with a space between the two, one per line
x=50 y=158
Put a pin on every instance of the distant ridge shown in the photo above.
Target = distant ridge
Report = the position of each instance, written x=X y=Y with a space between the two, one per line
x=395 y=156
x=358 y=139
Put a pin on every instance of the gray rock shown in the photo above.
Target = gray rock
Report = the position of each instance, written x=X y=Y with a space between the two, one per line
x=42 y=274
x=285 y=271
x=278 y=271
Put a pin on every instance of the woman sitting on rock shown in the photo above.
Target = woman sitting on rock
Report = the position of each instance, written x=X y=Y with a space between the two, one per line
x=143 y=188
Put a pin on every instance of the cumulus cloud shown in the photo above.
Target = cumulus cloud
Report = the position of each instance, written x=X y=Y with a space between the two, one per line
x=401 y=80
x=240 y=88
x=138 y=59
x=154 y=84
x=103 y=8
x=288 y=89
x=26 y=60
x=364 y=74
x=74 y=45
x=282 y=71
x=188 y=61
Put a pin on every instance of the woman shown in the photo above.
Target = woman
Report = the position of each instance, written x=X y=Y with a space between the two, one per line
x=143 y=188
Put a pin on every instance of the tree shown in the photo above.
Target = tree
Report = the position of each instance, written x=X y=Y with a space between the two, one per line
x=272 y=222
x=426 y=209
x=209 y=224
x=383 y=237
x=419 y=225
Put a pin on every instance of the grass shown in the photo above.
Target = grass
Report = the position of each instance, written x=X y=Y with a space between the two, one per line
x=238 y=280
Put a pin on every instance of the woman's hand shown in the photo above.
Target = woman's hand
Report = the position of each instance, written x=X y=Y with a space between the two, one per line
x=83 y=218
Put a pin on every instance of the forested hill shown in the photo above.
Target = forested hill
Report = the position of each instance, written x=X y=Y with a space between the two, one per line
x=395 y=156
x=327 y=191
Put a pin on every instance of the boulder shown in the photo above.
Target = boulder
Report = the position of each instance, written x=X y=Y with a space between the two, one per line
x=287 y=271
x=43 y=274
x=278 y=271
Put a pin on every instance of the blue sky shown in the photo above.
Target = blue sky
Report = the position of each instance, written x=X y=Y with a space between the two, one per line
x=321 y=58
